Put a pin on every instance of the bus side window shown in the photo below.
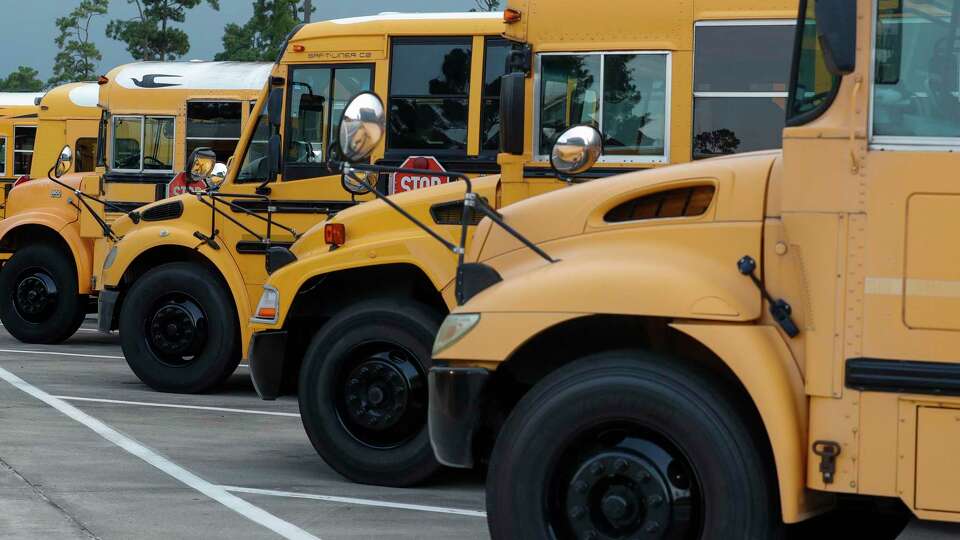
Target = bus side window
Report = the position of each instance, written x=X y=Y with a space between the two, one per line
x=429 y=96
x=625 y=95
x=494 y=66
x=741 y=73
x=916 y=85
x=85 y=155
x=3 y=156
x=255 y=167
x=315 y=102
x=214 y=125
x=24 y=138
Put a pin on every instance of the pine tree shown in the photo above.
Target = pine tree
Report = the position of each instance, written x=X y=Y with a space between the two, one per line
x=262 y=36
x=486 y=5
x=78 y=56
x=24 y=79
x=150 y=35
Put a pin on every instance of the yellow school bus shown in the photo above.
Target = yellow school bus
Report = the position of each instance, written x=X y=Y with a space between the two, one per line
x=68 y=114
x=18 y=125
x=181 y=285
x=151 y=116
x=715 y=349
x=664 y=84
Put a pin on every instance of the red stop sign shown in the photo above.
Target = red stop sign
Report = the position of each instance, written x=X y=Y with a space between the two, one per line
x=401 y=182
x=182 y=183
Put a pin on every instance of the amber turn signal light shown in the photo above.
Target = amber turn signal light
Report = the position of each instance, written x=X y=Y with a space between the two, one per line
x=267 y=313
x=298 y=48
x=335 y=234
x=511 y=16
x=102 y=80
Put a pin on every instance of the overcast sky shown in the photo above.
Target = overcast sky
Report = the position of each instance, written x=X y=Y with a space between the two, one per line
x=27 y=28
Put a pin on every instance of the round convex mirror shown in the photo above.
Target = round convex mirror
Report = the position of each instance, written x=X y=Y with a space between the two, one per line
x=362 y=126
x=577 y=150
x=63 y=161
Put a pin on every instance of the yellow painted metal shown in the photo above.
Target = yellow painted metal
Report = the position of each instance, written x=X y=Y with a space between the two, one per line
x=551 y=27
x=341 y=42
x=850 y=232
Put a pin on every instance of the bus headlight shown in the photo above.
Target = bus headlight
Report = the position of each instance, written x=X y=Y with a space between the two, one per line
x=454 y=327
x=110 y=258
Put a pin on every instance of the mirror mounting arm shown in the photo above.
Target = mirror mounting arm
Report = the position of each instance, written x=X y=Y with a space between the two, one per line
x=351 y=170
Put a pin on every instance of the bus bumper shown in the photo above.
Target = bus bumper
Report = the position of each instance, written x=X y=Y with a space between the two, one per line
x=106 y=305
x=267 y=355
x=454 y=413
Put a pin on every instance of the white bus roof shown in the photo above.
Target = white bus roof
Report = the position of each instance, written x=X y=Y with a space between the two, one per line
x=192 y=75
x=397 y=16
x=18 y=99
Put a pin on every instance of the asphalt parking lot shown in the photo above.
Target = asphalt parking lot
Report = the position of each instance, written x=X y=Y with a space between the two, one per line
x=87 y=451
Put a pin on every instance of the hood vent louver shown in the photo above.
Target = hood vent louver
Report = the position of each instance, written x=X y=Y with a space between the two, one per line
x=450 y=213
x=672 y=203
x=163 y=212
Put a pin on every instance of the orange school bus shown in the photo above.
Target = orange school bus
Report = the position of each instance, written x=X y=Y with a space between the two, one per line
x=18 y=130
x=150 y=116
x=712 y=350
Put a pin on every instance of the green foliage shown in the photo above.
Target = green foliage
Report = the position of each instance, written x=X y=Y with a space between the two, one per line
x=150 y=36
x=24 y=79
x=262 y=36
x=486 y=5
x=78 y=56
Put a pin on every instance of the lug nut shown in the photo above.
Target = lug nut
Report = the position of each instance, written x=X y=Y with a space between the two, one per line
x=654 y=500
x=652 y=527
x=597 y=469
x=621 y=465
x=577 y=512
x=581 y=487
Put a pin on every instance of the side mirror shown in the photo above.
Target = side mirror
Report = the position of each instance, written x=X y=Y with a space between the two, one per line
x=63 y=161
x=356 y=188
x=837 y=30
x=362 y=126
x=577 y=150
x=275 y=107
x=273 y=158
x=200 y=164
x=219 y=174
x=512 y=112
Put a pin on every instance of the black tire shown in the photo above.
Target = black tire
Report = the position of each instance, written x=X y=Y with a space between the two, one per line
x=589 y=434
x=41 y=304
x=381 y=446
x=178 y=329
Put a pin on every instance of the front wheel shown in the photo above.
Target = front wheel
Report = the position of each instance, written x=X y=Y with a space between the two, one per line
x=178 y=329
x=363 y=392
x=628 y=445
x=40 y=299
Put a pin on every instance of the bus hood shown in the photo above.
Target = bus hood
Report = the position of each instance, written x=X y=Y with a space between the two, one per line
x=739 y=183
x=438 y=207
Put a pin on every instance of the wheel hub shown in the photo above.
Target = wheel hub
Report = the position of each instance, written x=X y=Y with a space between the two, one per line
x=377 y=392
x=177 y=329
x=618 y=495
x=36 y=295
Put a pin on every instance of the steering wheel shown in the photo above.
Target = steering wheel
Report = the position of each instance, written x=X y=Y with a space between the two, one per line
x=154 y=162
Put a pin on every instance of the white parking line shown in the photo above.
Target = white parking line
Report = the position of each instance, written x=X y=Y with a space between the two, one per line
x=358 y=502
x=79 y=355
x=217 y=493
x=176 y=406
x=63 y=354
